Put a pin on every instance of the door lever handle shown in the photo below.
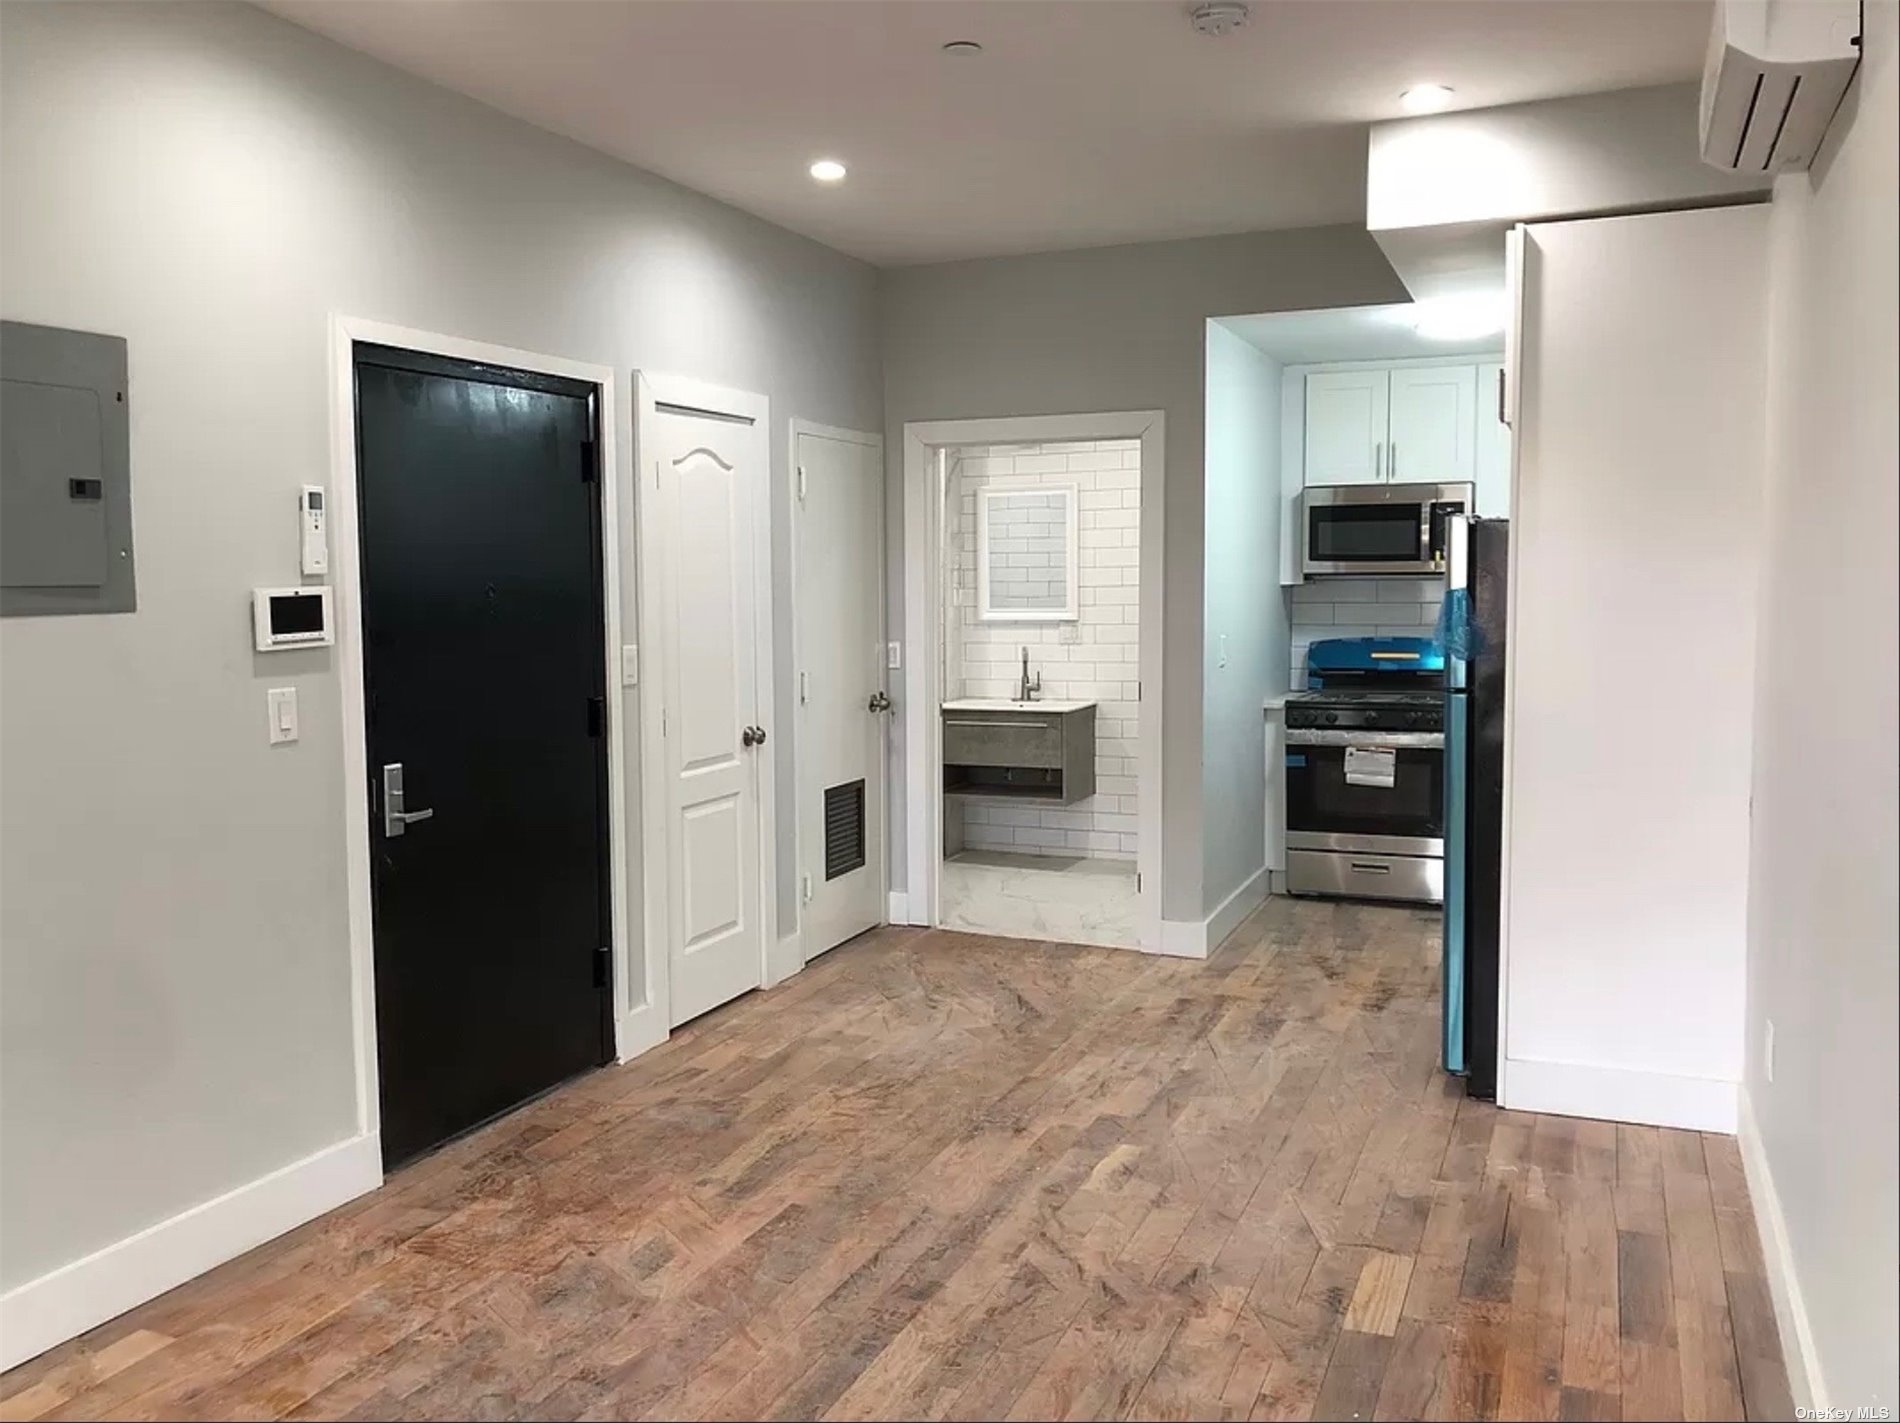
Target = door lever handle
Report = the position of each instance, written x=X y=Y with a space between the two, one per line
x=880 y=702
x=397 y=820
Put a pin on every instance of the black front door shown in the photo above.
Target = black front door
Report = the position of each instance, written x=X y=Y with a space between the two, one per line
x=484 y=672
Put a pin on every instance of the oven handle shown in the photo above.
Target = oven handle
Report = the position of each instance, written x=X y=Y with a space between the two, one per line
x=1369 y=740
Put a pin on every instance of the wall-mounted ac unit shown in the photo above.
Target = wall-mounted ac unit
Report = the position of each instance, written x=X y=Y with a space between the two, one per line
x=1774 y=77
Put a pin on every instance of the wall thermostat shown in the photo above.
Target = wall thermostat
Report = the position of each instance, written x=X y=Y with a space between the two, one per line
x=310 y=525
x=292 y=617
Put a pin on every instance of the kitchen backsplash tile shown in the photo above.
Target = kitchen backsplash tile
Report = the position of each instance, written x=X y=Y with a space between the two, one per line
x=1359 y=607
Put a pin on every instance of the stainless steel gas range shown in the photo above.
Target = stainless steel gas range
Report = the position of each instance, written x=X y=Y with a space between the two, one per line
x=1365 y=785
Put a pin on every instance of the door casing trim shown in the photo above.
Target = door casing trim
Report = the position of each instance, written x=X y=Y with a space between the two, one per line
x=792 y=959
x=653 y=389
x=923 y=638
x=631 y=1035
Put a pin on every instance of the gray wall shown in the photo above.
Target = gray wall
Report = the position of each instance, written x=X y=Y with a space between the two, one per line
x=212 y=183
x=1244 y=605
x=1113 y=328
x=1822 y=919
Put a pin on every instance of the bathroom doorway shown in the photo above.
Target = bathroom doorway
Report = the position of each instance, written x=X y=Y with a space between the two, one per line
x=1033 y=762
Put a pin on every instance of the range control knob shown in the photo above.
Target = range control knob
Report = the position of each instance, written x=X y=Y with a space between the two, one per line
x=1332 y=718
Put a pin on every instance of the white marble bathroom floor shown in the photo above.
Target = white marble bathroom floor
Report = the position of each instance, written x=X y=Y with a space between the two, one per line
x=1055 y=897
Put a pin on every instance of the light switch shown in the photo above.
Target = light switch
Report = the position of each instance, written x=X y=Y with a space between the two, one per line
x=630 y=665
x=894 y=656
x=283 y=714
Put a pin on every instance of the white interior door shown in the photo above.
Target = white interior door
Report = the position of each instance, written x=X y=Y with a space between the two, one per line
x=711 y=475
x=1346 y=427
x=1434 y=424
x=843 y=714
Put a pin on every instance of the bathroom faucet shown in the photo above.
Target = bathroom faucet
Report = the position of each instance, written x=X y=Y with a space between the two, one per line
x=1029 y=688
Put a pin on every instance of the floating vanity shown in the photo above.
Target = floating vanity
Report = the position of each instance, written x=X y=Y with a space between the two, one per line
x=1040 y=751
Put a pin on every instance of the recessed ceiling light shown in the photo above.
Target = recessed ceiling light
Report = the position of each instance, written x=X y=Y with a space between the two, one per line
x=828 y=170
x=1425 y=98
x=962 y=47
x=1464 y=317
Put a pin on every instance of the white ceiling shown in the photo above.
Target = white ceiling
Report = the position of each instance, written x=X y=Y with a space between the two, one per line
x=1355 y=333
x=1083 y=122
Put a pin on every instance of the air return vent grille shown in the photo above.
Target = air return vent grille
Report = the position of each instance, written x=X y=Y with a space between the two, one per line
x=844 y=829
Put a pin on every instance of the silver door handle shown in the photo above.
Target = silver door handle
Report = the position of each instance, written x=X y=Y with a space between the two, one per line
x=1378 y=459
x=880 y=702
x=1392 y=461
x=396 y=820
x=1365 y=868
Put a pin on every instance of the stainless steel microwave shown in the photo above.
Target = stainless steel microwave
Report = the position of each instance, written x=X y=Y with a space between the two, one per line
x=1378 y=528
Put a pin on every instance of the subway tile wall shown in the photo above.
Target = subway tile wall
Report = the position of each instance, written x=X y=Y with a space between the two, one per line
x=1359 y=607
x=1094 y=658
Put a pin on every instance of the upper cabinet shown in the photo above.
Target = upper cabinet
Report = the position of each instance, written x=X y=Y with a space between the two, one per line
x=1494 y=444
x=1396 y=425
x=1433 y=432
x=1347 y=418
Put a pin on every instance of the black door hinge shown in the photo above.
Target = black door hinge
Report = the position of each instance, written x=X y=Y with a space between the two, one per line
x=603 y=961
x=590 y=460
x=596 y=715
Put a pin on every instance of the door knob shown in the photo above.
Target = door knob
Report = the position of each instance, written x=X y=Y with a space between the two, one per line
x=396 y=820
x=752 y=736
x=879 y=702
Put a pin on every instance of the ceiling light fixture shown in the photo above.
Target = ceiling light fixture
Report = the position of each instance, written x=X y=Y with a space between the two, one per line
x=963 y=48
x=1465 y=317
x=828 y=170
x=1425 y=98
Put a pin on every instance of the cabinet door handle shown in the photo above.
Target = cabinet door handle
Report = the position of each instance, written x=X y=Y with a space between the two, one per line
x=1378 y=459
x=1500 y=395
x=1392 y=458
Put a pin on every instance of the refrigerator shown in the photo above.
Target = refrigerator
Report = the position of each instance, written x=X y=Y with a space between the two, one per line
x=1472 y=628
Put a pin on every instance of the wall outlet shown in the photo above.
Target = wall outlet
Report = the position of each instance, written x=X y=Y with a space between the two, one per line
x=1069 y=634
x=1768 y=1049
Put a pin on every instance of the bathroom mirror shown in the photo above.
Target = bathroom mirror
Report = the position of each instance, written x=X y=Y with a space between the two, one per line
x=1026 y=553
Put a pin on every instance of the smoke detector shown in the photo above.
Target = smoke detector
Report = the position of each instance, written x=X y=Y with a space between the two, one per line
x=1219 y=18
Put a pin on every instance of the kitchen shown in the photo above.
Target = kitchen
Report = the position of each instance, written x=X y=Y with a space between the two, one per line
x=1401 y=557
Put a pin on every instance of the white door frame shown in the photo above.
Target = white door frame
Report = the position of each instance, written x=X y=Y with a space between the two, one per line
x=345 y=332
x=651 y=390
x=791 y=951
x=923 y=621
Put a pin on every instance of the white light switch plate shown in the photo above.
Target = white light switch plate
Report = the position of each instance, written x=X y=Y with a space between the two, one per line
x=894 y=656
x=630 y=665
x=282 y=702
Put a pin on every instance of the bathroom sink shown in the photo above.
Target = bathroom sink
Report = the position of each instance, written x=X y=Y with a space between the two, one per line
x=995 y=704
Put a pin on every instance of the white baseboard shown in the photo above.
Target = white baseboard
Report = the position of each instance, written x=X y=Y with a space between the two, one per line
x=640 y=1030
x=1619 y=1094
x=72 y=1299
x=899 y=911
x=785 y=958
x=1197 y=938
x=1784 y=1288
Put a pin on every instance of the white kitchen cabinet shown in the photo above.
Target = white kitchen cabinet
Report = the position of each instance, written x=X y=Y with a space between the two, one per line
x=1346 y=426
x=1494 y=445
x=1432 y=430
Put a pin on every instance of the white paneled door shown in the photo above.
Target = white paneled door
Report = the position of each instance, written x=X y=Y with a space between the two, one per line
x=710 y=475
x=843 y=710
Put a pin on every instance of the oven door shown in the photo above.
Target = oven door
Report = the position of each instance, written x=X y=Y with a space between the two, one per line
x=1390 y=528
x=1329 y=809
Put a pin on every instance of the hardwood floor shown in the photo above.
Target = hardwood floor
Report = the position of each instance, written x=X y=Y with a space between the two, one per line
x=938 y=1176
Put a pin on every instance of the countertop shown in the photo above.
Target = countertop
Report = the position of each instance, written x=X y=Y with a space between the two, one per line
x=982 y=704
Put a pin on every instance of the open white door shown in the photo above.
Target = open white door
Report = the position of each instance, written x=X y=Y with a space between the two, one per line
x=707 y=466
x=843 y=709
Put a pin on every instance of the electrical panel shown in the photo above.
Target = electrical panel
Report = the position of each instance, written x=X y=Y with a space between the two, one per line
x=65 y=473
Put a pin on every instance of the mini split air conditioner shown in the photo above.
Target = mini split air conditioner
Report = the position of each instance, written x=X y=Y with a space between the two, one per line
x=1775 y=75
